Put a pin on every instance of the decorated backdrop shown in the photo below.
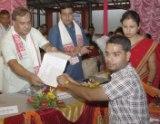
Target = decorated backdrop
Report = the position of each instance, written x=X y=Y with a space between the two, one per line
x=11 y=4
x=149 y=11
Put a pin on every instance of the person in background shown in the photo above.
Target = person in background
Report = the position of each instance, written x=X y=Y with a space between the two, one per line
x=4 y=27
x=147 y=35
x=119 y=31
x=70 y=39
x=125 y=94
x=110 y=33
x=43 y=30
x=91 y=62
x=91 y=33
x=4 y=22
x=143 y=57
x=20 y=49
x=143 y=52
x=102 y=41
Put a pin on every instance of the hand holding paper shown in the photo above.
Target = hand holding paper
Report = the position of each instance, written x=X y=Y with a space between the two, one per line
x=53 y=65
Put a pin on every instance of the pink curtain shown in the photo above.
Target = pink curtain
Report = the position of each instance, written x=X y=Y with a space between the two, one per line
x=149 y=11
x=10 y=5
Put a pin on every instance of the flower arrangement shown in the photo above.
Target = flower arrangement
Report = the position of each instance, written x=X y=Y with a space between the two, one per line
x=43 y=99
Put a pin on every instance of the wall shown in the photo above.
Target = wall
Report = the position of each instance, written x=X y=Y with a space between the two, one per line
x=97 y=19
x=114 y=17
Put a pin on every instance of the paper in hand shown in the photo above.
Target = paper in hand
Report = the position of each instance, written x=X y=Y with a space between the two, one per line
x=53 y=65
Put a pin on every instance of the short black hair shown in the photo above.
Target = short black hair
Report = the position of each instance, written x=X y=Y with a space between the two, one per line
x=149 y=36
x=121 y=40
x=20 y=11
x=65 y=6
x=130 y=14
x=4 y=12
x=119 y=30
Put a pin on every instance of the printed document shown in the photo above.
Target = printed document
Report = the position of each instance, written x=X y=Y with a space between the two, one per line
x=53 y=65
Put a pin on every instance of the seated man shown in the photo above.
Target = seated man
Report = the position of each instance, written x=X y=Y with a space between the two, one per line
x=127 y=99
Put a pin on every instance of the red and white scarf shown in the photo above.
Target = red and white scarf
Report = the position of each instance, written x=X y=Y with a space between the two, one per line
x=66 y=39
x=21 y=50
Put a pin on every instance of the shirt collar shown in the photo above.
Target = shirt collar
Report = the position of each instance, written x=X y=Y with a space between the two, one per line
x=6 y=29
x=122 y=71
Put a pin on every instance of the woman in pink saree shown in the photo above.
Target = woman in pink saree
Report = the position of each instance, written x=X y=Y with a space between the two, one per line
x=143 y=53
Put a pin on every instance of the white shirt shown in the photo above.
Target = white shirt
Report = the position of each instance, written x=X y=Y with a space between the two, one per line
x=3 y=31
x=13 y=82
x=101 y=42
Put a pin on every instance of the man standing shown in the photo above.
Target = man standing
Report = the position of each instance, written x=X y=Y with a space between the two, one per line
x=4 y=27
x=68 y=37
x=91 y=61
x=4 y=22
x=20 y=49
x=127 y=99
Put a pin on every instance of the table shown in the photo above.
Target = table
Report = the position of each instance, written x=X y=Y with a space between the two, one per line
x=74 y=112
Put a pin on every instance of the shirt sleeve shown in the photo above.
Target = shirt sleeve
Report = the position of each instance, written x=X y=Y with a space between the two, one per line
x=38 y=37
x=115 y=89
x=1 y=32
x=8 y=49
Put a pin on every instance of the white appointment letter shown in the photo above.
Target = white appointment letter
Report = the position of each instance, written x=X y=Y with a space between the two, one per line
x=53 y=65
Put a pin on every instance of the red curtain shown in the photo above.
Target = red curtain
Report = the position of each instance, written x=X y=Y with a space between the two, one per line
x=105 y=17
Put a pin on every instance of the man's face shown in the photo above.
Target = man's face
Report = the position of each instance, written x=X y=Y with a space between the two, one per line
x=91 y=31
x=67 y=16
x=5 y=20
x=22 y=25
x=115 y=57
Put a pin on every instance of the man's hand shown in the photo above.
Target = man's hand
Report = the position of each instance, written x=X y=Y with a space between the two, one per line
x=63 y=80
x=21 y=71
x=73 y=52
x=85 y=50
x=49 y=48
x=79 y=50
x=34 y=79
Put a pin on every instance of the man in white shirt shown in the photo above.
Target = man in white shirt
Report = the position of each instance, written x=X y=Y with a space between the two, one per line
x=4 y=22
x=4 y=27
x=20 y=49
